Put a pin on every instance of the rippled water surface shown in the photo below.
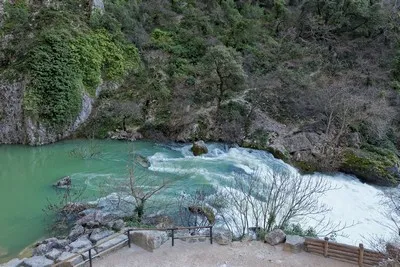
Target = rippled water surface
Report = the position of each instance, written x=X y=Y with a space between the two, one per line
x=27 y=173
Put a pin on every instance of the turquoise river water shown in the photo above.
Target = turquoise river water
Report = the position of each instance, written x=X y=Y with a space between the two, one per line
x=27 y=173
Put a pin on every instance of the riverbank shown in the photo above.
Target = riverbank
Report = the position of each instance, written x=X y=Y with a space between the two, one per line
x=255 y=254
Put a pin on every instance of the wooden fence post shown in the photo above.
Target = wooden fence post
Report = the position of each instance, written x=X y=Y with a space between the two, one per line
x=361 y=255
x=326 y=244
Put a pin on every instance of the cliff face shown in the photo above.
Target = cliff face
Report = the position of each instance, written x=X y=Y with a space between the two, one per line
x=12 y=126
x=18 y=128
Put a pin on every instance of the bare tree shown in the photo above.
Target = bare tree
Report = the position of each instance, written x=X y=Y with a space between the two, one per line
x=272 y=199
x=136 y=193
x=142 y=191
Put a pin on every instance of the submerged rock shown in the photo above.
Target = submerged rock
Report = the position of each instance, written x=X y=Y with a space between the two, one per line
x=199 y=148
x=64 y=183
x=275 y=237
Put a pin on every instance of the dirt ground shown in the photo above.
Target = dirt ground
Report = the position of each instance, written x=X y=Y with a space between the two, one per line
x=251 y=254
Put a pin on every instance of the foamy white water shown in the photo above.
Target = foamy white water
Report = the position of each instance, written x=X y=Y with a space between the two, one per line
x=351 y=203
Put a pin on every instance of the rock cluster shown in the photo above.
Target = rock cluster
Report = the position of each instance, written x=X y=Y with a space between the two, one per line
x=94 y=226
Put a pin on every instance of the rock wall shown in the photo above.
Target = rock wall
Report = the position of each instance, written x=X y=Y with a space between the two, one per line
x=11 y=113
x=16 y=128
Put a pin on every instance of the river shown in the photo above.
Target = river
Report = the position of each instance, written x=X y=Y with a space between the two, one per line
x=27 y=173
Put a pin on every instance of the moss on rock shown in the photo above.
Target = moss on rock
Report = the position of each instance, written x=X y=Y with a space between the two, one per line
x=305 y=166
x=372 y=165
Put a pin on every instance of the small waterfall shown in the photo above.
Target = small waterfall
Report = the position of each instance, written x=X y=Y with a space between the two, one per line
x=351 y=203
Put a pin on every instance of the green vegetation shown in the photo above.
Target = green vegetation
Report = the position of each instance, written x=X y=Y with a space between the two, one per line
x=297 y=229
x=375 y=165
x=247 y=72
x=64 y=60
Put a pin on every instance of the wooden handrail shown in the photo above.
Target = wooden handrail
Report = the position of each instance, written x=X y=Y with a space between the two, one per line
x=356 y=255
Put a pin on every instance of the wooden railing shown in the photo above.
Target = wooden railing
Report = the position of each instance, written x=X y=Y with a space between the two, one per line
x=351 y=254
x=127 y=232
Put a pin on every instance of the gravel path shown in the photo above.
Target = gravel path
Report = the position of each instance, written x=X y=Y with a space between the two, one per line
x=251 y=254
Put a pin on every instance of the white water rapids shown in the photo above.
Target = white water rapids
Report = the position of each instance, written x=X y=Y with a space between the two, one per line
x=351 y=203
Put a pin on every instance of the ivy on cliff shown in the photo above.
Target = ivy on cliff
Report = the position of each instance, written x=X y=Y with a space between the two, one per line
x=64 y=63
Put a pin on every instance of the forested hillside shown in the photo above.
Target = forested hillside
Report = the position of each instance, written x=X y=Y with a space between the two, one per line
x=314 y=82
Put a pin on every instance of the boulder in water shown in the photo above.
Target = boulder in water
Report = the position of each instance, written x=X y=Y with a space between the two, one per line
x=143 y=161
x=199 y=148
x=63 y=183
x=275 y=237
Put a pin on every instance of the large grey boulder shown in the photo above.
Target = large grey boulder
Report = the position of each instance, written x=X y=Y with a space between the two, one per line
x=275 y=237
x=72 y=258
x=222 y=236
x=114 y=242
x=64 y=183
x=13 y=263
x=99 y=234
x=37 y=261
x=53 y=254
x=60 y=243
x=42 y=249
x=294 y=243
x=199 y=148
x=117 y=205
x=149 y=240
x=76 y=232
x=117 y=225
x=81 y=243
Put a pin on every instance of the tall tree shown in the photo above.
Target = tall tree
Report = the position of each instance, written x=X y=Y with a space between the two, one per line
x=223 y=72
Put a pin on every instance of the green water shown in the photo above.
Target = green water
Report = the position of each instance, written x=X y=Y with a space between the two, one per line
x=27 y=173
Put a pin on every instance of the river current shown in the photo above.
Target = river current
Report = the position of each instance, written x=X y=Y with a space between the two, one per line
x=27 y=173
